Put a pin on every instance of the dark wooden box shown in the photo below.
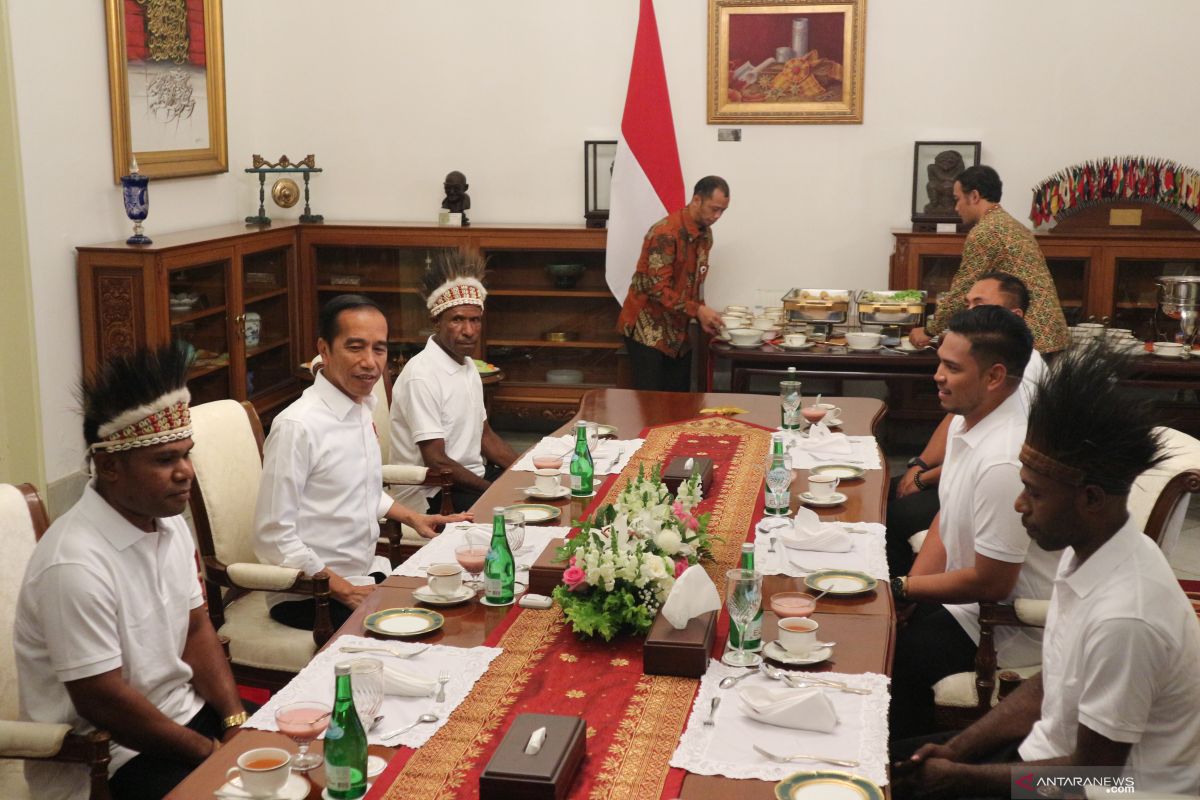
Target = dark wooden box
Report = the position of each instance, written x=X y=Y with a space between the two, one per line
x=546 y=572
x=675 y=474
x=684 y=653
x=544 y=776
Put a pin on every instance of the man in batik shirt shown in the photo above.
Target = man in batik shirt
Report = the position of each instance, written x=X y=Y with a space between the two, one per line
x=997 y=242
x=664 y=295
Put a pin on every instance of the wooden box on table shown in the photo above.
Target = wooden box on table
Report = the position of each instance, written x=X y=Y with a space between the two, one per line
x=546 y=775
x=678 y=470
x=547 y=570
x=679 y=652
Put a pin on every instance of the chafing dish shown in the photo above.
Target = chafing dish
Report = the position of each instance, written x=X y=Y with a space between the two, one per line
x=899 y=307
x=817 y=305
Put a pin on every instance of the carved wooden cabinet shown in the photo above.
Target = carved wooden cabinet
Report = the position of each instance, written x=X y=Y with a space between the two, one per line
x=226 y=294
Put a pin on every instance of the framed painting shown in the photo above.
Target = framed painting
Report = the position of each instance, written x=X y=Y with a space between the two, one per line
x=166 y=77
x=935 y=167
x=800 y=61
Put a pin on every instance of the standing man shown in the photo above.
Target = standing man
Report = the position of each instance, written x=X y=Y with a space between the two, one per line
x=111 y=630
x=665 y=293
x=321 y=493
x=438 y=415
x=997 y=242
x=1119 y=685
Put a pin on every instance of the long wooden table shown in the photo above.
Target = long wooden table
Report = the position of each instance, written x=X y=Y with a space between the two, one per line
x=864 y=626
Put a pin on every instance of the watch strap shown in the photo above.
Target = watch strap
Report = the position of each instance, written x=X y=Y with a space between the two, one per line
x=233 y=720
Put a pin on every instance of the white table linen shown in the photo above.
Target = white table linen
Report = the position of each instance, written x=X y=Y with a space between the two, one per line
x=440 y=549
x=869 y=553
x=611 y=455
x=864 y=453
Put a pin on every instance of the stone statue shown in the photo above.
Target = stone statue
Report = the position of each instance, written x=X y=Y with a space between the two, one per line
x=457 y=200
x=946 y=167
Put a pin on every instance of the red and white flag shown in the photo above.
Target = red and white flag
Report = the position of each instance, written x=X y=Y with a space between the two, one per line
x=647 y=183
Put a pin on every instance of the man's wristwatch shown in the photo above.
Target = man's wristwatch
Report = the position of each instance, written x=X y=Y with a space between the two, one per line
x=234 y=720
x=900 y=587
x=916 y=461
x=920 y=484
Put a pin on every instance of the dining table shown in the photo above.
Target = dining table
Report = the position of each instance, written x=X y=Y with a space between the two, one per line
x=864 y=625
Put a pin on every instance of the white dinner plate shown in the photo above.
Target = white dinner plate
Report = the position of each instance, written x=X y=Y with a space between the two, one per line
x=804 y=346
x=296 y=788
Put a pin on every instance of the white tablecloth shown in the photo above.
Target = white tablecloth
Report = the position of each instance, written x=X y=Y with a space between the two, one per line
x=865 y=453
x=465 y=666
x=611 y=454
x=440 y=549
x=869 y=554
x=727 y=748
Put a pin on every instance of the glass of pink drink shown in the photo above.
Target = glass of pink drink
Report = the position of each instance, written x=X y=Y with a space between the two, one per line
x=471 y=557
x=813 y=414
x=303 y=722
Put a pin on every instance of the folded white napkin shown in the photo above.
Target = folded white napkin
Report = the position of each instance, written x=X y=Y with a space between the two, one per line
x=805 y=709
x=692 y=595
x=807 y=532
x=406 y=684
x=822 y=440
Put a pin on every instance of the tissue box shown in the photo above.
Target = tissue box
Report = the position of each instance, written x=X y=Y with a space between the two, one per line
x=684 y=653
x=675 y=474
x=546 y=572
x=545 y=776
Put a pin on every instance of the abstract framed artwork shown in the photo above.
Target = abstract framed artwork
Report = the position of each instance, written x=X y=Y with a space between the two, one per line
x=800 y=61
x=166 y=76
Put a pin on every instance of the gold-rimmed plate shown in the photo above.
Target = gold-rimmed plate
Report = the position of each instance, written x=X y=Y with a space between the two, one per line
x=403 y=622
x=845 y=472
x=840 y=581
x=826 y=783
x=536 y=512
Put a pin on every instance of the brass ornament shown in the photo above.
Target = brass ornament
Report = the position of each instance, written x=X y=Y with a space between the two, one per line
x=285 y=192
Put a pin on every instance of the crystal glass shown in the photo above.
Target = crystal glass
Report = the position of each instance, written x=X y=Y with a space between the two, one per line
x=514 y=529
x=304 y=722
x=593 y=437
x=777 y=496
x=366 y=683
x=789 y=400
x=471 y=558
x=743 y=598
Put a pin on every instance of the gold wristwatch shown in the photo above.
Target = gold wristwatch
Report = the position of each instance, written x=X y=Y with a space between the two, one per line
x=234 y=720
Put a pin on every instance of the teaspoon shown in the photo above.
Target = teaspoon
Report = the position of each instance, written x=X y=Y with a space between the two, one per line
x=731 y=680
x=407 y=728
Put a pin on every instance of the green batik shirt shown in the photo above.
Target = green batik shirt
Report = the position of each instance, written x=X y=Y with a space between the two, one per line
x=999 y=242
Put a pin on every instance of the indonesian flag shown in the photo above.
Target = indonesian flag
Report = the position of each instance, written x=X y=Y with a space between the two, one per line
x=647 y=183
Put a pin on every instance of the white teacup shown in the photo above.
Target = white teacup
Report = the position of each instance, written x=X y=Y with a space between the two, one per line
x=906 y=343
x=795 y=339
x=821 y=486
x=863 y=340
x=445 y=579
x=831 y=411
x=263 y=770
x=734 y=320
x=1168 y=348
x=546 y=481
x=798 y=635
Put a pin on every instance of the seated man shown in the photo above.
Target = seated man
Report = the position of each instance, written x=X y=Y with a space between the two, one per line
x=321 y=493
x=911 y=505
x=1119 y=685
x=438 y=418
x=976 y=549
x=111 y=630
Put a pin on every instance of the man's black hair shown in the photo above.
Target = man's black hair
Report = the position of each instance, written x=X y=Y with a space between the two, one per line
x=327 y=324
x=997 y=336
x=982 y=179
x=1011 y=286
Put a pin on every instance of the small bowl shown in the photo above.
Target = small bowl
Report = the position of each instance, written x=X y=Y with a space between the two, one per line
x=565 y=275
x=1168 y=348
x=793 y=604
x=745 y=336
x=765 y=324
x=547 y=462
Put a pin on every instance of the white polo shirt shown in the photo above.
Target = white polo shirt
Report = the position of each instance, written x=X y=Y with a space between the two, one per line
x=436 y=397
x=1122 y=656
x=980 y=482
x=99 y=594
x=1030 y=378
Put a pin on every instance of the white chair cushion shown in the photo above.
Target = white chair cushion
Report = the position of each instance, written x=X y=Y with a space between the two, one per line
x=31 y=739
x=403 y=474
x=228 y=467
x=256 y=640
x=264 y=577
x=18 y=541
x=958 y=690
x=1032 y=612
x=1183 y=453
x=12 y=780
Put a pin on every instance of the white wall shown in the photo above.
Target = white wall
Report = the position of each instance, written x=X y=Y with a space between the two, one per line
x=392 y=95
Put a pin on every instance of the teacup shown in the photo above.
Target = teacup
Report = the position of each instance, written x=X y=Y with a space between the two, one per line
x=1090 y=328
x=798 y=635
x=906 y=343
x=445 y=579
x=547 y=462
x=822 y=486
x=745 y=336
x=863 y=340
x=795 y=339
x=734 y=320
x=765 y=324
x=546 y=481
x=1168 y=348
x=263 y=770
x=738 y=310
x=831 y=411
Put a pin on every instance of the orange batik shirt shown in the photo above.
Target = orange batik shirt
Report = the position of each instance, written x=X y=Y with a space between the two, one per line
x=664 y=295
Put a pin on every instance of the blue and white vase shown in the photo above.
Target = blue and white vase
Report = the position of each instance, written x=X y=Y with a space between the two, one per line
x=134 y=189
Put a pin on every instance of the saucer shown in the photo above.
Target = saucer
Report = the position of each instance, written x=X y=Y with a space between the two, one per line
x=804 y=346
x=835 y=499
x=840 y=581
x=775 y=652
x=375 y=765
x=813 y=784
x=1178 y=355
x=296 y=788
x=845 y=472
x=754 y=346
x=533 y=491
x=427 y=595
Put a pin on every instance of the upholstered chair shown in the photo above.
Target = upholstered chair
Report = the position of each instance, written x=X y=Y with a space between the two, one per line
x=22 y=522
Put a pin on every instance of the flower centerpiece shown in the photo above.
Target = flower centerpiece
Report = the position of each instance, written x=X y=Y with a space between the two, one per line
x=624 y=561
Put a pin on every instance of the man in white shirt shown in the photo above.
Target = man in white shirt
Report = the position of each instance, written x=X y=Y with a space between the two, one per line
x=321 y=493
x=1119 y=685
x=976 y=549
x=111 y=630
x=913 y=499
x=438 y=416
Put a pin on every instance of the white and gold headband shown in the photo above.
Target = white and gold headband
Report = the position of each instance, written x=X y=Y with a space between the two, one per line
x=166 y=419
x=456 y=292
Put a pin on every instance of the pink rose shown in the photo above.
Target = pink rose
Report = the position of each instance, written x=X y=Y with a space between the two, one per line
x=677 y=510
x=573 y=577
x=693 y=524
x=571 y=562
x=681 y=566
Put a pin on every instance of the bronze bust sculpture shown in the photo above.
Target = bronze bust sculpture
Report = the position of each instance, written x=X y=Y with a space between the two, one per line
x=457 y=200
x=946 y=166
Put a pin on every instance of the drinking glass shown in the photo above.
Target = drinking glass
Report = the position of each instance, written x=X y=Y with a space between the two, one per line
x=366 y=684
x=777 y=487
x=789 y=399
x=593 y=437
x=303 y=722
x=514 y=529
x=743 y=598
x=471 y=558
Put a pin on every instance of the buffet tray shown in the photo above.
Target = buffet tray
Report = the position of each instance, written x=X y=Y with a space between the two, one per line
x=817 y=305
x=881 y=307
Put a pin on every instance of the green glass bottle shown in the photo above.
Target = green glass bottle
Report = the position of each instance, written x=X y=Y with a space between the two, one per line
x=583 y=471
x=777 y=498
x=754 y=627
x=345 y=742
x=499 y=568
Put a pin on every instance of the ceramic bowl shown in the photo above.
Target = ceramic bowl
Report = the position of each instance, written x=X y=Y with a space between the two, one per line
x=1168 y=348
x=764 y=323
x=565 y=275
x=745 y=336
x=1090 y=328
x=863 y=340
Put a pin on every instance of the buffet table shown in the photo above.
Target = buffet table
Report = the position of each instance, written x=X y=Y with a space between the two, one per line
x=634 y=720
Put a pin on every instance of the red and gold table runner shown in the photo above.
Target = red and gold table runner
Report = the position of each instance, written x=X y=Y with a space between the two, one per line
x=634 y=721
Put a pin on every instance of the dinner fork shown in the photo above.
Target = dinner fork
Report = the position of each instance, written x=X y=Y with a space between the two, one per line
x=802 y=757
x=391 y=651
x=443 y=678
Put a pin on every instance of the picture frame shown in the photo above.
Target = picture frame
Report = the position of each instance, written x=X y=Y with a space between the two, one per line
x=166 y=76
x=598 y=158
x=933 y=182
x=756 y=75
